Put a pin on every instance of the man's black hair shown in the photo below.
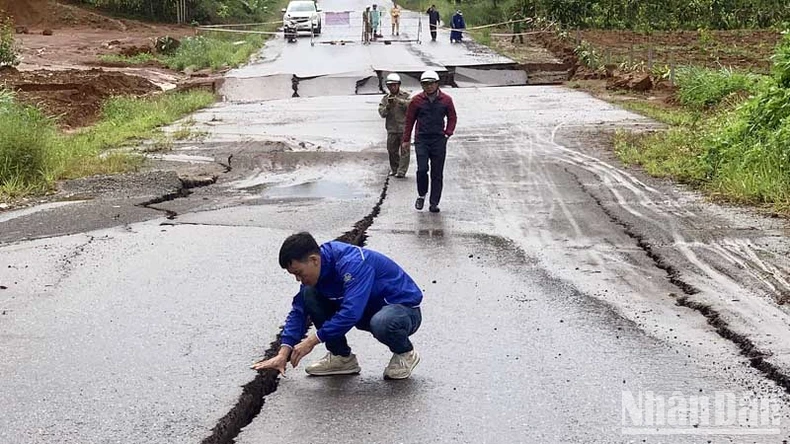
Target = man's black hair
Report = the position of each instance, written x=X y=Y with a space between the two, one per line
x=297 y=247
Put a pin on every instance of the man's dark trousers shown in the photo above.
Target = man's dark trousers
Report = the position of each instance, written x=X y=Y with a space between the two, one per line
x=392 y=325
x=432 y=150
x=433 y=31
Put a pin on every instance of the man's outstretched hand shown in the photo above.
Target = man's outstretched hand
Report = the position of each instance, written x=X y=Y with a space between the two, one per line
x=303 y=349
x=276 y=363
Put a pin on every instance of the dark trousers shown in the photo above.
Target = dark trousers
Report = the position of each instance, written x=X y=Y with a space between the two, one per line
x=433 y=31
x=520 y=37
x=392 y=325
x=433 y=152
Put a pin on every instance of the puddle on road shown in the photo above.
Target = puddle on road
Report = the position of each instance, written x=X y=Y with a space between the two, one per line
x=185 y=158
x=423 y=232
x=320 y=189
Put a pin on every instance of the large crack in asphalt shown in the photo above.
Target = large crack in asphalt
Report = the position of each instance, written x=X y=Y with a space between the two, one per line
x=187 y=184
x=747 y=348
x=252 y=398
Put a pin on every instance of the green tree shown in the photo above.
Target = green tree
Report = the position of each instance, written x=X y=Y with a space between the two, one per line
x=9 y=51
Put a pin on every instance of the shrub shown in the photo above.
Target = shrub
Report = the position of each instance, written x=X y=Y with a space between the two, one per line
x=701 y=88
x=9 y=51
x=27 y=136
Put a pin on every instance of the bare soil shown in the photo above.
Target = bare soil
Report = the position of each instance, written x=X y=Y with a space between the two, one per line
x=741 y=49
x=627 y=56
x=73 y=97
x=61 y=72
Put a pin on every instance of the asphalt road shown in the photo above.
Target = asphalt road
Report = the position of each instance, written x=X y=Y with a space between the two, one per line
x=559 y=286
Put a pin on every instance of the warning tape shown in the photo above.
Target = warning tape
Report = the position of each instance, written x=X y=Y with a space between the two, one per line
x=490 y=25
x=499 y=34
x=240 y=25
x=237 y=31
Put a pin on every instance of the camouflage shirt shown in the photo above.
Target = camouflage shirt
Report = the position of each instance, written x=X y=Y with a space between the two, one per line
x=394 y=111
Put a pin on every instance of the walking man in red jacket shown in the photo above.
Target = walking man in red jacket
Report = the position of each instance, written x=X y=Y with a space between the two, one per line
x=434 y=113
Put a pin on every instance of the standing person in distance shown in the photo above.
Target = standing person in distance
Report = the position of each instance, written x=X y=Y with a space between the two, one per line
x=366 y=26
x=458 y=25
x=375 y=21
x=393 y=107
x=395 y=15
x=434 y=113
x=433 y=21
x=518 y=21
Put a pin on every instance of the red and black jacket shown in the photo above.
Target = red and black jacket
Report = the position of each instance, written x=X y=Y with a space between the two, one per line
x=430 y=117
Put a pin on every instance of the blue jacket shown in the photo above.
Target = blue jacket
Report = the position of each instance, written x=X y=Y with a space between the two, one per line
x=362 y=281
x=458 y=22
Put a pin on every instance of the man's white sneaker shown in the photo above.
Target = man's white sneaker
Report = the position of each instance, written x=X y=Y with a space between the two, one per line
x=334 y=365
x=401 y=365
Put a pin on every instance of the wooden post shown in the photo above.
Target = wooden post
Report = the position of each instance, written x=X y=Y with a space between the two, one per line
x=650 y=57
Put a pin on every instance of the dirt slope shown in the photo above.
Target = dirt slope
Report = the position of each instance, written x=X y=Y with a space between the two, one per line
x=54 y=15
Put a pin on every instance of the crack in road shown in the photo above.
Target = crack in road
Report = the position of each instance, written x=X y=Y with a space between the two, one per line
x=358 y=235
x=67 y=260
x=265 y=382
x=187 y=184
x=747 y=348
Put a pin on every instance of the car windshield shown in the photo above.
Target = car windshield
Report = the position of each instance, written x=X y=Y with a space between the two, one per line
x=301 y=7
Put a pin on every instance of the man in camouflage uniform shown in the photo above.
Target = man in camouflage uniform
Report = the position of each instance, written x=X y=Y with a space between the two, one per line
x=393 y=108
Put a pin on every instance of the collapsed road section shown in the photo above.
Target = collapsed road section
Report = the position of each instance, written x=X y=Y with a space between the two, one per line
x=302 y=69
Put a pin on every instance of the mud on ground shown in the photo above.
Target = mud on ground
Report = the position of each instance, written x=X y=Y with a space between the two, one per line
x=628 y=54
x=72 y=97
x=61 y=45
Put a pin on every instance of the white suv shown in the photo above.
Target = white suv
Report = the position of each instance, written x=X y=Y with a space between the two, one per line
x=305 y=14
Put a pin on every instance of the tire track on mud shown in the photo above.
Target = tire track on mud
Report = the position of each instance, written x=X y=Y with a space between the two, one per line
x=756 y=357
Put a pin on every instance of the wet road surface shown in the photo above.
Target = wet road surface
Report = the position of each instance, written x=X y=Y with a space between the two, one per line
x=554 y=283
x=337 y=63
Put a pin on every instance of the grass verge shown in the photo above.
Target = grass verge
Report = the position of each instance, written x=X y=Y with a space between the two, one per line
x=34 y=154
x=215 y=51
x=728 y=135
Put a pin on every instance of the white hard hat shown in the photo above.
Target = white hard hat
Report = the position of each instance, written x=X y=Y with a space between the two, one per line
x=392 y=78
x=429 y=76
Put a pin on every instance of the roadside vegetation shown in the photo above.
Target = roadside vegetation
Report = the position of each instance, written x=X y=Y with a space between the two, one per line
x=9 y=51
x=215 y=51
x=730 y=135
x=643 y=15
x=728 y=127
x=33 y=153
x=197 y=11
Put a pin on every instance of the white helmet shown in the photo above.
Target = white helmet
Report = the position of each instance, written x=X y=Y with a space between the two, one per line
x=392 y=78
x=429 y=76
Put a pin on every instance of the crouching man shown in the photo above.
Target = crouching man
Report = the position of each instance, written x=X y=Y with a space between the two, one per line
x=344 y=286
